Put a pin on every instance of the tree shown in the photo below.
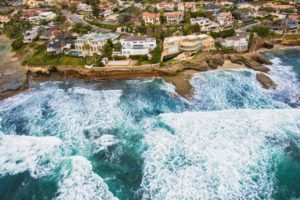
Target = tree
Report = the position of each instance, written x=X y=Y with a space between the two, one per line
x=187 y=17
x=86 y=47
x=261 y=31
x=195 y=28
x=108 y=49
x=17 y=43
x=156 y=55
x=162 y=19
x=73 y=8
x=96 y=12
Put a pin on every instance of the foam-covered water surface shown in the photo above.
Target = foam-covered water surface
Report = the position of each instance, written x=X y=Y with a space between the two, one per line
x=222 y=154
x=138 y=139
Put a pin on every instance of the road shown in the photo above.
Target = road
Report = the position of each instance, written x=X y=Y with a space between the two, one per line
x=76 y=19
x=243 y=29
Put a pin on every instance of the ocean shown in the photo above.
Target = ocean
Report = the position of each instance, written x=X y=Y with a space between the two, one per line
x=139 y=139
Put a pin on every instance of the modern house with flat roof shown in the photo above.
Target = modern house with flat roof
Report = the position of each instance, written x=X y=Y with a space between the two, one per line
x=31 y=34
x=205 y=24
x=137 y=45
x=92 y=43
x=239 y=43
x=189 y=44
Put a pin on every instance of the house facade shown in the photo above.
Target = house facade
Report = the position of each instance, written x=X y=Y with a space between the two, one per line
x=205 y=24
x=239 y=43
x=37 y=3
x=3 y=20
x=225 y=19
x=137 y=45
x=189 y=44
x=93 y=43
x=186 y=6
x=31 y=34
x=167 y=6
x=174 y=17
x=151 y=18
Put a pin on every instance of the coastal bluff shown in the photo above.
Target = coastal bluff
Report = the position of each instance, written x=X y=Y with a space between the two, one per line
x=178 y=74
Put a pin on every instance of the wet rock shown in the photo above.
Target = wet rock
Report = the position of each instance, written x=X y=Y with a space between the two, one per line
x=268 y=45
x=238 y=59
x=261 y=59
x=215 y=61
x=185 y=65
x=255 y=65
x=266 y=81
x=12 y=79
x=249 y=62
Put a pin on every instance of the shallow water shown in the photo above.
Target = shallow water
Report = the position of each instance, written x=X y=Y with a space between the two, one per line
x=138 y=139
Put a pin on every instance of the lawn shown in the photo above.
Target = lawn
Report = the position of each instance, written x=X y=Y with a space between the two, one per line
x=43 y=59
x=292 y=37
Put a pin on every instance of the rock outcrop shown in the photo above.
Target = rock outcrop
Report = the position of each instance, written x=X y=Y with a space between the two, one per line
x=266 y=81
x=249 y=61
x=261 y=59
x=13 y=76
x=215 y=61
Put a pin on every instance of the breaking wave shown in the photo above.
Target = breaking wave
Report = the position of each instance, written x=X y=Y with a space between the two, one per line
x=210 y=155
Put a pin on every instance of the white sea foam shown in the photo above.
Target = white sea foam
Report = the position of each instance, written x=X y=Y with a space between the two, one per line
x=77 y=115
x=104 y=142
x=216 y=155
x=26 y=153
x=80 y=182
x=286 y=79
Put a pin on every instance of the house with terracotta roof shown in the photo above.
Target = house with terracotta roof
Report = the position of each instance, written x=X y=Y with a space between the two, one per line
x=186 y=6
x=151 y=18
x=37 y=3
x=225 y=19
x=174 y=17
x=167 y=6
x=3 y=20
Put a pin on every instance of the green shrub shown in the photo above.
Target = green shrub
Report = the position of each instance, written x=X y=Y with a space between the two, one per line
x=17 y=43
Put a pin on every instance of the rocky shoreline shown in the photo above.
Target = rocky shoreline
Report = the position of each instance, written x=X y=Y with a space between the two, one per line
x=16 y=78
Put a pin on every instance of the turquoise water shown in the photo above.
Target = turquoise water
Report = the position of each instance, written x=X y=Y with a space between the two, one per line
x=138 y=139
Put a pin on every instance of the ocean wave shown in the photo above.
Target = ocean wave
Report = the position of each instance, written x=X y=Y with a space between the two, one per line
x=75 y=115
x=217 y=155
x=288 y=84
x=236 y=89
x=26 y=153
x=80 y=182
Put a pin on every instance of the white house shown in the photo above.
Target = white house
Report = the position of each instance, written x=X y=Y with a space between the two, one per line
x=3 y=20
x=186 y=6
x=244 y=5
x=32 y=34
x=238 y=43
x=168 y=6
x=48 y=16
x=205 y=24
x=93 y=43
x=84 y=7
x=137 y=45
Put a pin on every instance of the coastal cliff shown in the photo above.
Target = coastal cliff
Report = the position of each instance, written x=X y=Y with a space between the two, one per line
x=14 y=77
